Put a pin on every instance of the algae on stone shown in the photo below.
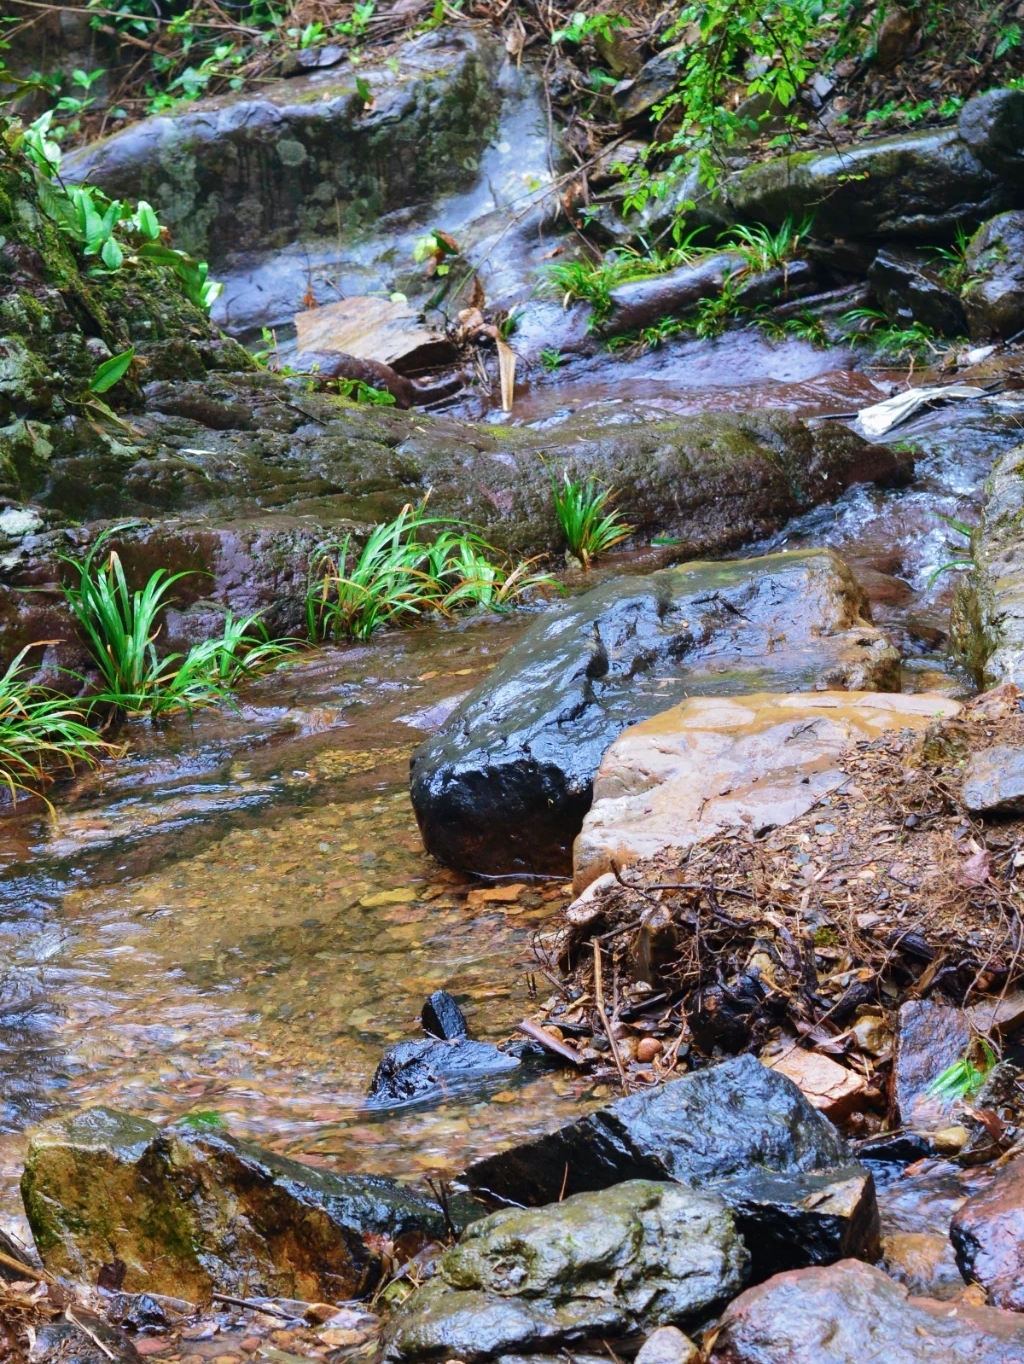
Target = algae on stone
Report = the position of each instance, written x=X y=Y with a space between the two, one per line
x=192 y=1211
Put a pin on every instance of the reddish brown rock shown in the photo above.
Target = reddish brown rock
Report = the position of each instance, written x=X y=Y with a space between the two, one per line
x=852 y=1313
x=988 y=1233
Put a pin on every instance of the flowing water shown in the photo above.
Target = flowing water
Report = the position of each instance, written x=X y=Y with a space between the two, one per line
x=239 y=915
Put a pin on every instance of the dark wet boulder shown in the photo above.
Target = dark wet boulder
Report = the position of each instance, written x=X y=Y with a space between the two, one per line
x=245 y=172
x=737 y=1127
x=992 y=125
x=916 y=187
x=442 y=1017
x=988 y=1234
x=192 y=1210
x=994 y=297
x=505 y=783
x=850 y=1313
x=603 y=1265
x=433 y=1069
x=909 y=288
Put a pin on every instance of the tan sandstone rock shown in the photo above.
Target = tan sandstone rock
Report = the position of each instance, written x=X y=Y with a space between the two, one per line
x=717 y=762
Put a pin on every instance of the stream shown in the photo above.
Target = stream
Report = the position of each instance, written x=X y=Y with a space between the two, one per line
x=239 y=915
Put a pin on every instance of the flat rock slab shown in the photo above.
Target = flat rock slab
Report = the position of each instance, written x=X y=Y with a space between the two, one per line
x=506 y=782
x=713 y=763
x=372 y=329
x=988 y=1233
x=852 y=1313
x=738 y=1127
x=833 y=1089
x=195 y=1211
x=607 y=1264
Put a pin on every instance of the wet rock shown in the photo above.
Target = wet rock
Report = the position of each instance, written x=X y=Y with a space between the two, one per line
x=909 y=289
x=922 y=185
x=988 y=1233
x=992 y=125
x=930 y=1037
x=245 y=505
x=987 y=615
x=994 y=297
x=506 y=782
x=442 y=1017
x=993 y=781
x=654 y=81
x=192 y=1211
x=833 y=1089
x=924 y=1262
x=641 y=302
x=608 y=1264
x=850 y=1312
x=712 y=763
x=243 y=173
x=411 y=1071
x=668 y=1345
x=737 y=1127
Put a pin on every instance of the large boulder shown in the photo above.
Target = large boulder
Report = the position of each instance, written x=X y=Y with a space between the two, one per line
x=243 y=172
x=914 y=187
x=987 y=618
x=992 y=125
x=714 y=763
x=505 y=783
x=609 y=1264
x=988 y=1233
x=737 y=1127
x=191 y=1211
x=994 y=297
x=850 y=1313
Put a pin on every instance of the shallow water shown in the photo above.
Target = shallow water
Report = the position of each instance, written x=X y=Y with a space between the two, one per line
x=239 y=916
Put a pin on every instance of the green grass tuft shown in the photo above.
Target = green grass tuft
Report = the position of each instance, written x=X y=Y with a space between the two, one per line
x=589 y=527
x=400 y=574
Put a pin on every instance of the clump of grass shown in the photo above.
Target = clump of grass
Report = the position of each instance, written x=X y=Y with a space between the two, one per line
x=764 y=249
x=399 y=575
x=589 y=527
x=889 y=341
x=121 y=627
x=41 y=733
x=595 y=280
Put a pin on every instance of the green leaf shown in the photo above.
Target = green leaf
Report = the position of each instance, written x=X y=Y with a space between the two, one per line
x=112 y=256
x=111 y=370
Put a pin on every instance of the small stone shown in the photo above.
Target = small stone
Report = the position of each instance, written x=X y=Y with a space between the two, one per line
x=668 y=1345
x=250 y=1343
x=649 y=1048
x=152 y=1345
x=338 y=1336
x=950 y=1141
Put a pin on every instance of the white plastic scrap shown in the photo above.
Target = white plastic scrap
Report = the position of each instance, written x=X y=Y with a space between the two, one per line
x=881 y=417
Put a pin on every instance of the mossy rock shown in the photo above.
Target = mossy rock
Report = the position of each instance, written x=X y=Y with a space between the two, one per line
x=191 y=1211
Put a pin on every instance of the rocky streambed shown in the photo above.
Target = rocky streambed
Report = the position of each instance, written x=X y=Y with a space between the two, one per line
x=620 y=1029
